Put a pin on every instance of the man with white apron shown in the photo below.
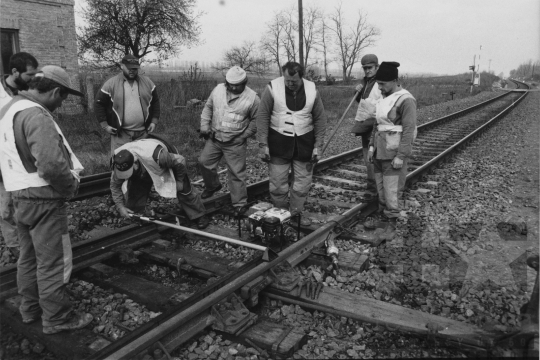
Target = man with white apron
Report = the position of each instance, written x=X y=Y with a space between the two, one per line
x=391 y=143
x=227 y=121
x=367 y=98
x=41 y=172
x=22 y=68
x=146 y=162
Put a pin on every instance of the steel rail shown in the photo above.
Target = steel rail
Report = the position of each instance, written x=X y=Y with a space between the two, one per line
x=139 y=343
x=417 y=173
x=98 y=184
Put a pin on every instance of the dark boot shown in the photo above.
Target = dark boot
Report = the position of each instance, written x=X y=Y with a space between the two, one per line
x=376 y=220
x=208 y=193
x=76 y=322
x=203 y=222
x=390 y=230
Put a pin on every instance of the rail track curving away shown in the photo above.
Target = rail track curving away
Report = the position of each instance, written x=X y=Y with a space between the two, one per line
x=338 y=184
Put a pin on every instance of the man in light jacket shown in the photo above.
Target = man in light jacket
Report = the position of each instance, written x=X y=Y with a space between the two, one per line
x=42 y=172
x=391 y=143
x=367 y=98
x=227 y=121
x=23 y=67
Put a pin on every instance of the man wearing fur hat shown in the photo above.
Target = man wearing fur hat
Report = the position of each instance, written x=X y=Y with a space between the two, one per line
x=391 y=143
x=368 y=96
x=227 y=123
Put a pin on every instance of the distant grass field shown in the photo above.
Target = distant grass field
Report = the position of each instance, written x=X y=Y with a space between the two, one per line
x=178 y=123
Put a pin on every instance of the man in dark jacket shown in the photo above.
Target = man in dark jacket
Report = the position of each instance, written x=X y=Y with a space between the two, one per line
x=291 y=125
x=23 y=67
x=367 y=98
x=127 y=106
x=42 y=172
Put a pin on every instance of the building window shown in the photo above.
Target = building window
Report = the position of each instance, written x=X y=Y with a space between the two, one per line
x=10 y=45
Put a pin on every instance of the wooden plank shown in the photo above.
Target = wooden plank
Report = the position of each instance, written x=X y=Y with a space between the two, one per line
x=339 y=204
x=213 y=264
x=153 y=295
x=340 y=181
x=266 y=334
x=393 y=317
x=356 y=167
x=347 y=261
x=337 y=190
x=75 y=344
x=349 y=173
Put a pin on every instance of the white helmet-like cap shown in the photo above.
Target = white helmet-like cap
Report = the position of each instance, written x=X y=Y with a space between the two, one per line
x=236 y=75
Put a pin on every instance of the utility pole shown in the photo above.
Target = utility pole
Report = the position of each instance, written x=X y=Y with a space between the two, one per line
x=300 y=33
x=473 y=68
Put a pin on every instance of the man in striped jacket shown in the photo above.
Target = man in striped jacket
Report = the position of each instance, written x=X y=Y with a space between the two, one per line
x=127 y=106
x=227 y=121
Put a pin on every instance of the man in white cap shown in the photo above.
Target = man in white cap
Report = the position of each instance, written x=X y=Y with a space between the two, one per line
x=227 y=121
x=368 y=96
x=41 y=172
x=148 y=162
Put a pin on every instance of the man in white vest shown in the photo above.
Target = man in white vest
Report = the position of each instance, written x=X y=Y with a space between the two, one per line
x=148 y=162
x=23 y=66
x=41 y=172
x=391 y=143
x=227 y=121
x=291 y=124
x=368 y=96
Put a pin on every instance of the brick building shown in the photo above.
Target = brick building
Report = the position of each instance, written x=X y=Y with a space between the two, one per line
x=43 y=28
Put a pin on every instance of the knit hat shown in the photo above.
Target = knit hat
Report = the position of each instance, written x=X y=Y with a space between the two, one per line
x=236 y=75
x=387 y=71
x=131 y=62
x=123 y=164
x=369 y=59
x=58 y=75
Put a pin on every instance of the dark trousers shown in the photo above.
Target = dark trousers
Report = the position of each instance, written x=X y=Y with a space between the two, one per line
x=371 y=184
x=45 y=262
x=138 y=189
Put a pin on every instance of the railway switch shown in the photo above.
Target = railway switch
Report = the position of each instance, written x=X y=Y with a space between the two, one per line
x=231 y=316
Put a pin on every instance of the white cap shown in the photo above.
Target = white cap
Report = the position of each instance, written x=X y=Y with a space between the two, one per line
x=236 y=75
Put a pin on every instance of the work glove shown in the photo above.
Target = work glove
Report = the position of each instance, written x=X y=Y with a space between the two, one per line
x=315 y=156
x=205 y=134
x=124 y=211
x=264 y=154
x=370 y=154
x=397 y=163
x=110 y=130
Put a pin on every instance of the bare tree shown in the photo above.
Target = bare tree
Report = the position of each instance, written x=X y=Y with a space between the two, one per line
x=247 y=57
x=140 y=27
x=312 y=19
x=290 y=30
x=326 y=39
x=271 y=40
x=351 y=40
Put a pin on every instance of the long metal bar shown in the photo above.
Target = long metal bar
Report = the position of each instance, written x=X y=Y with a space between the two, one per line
x=202 y=233
x=147 y=339
x=338 y=124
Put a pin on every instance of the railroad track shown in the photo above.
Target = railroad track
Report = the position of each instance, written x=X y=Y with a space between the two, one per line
x=336 y=186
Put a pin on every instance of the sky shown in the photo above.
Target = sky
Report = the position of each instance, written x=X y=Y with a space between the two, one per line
x=425 y=36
